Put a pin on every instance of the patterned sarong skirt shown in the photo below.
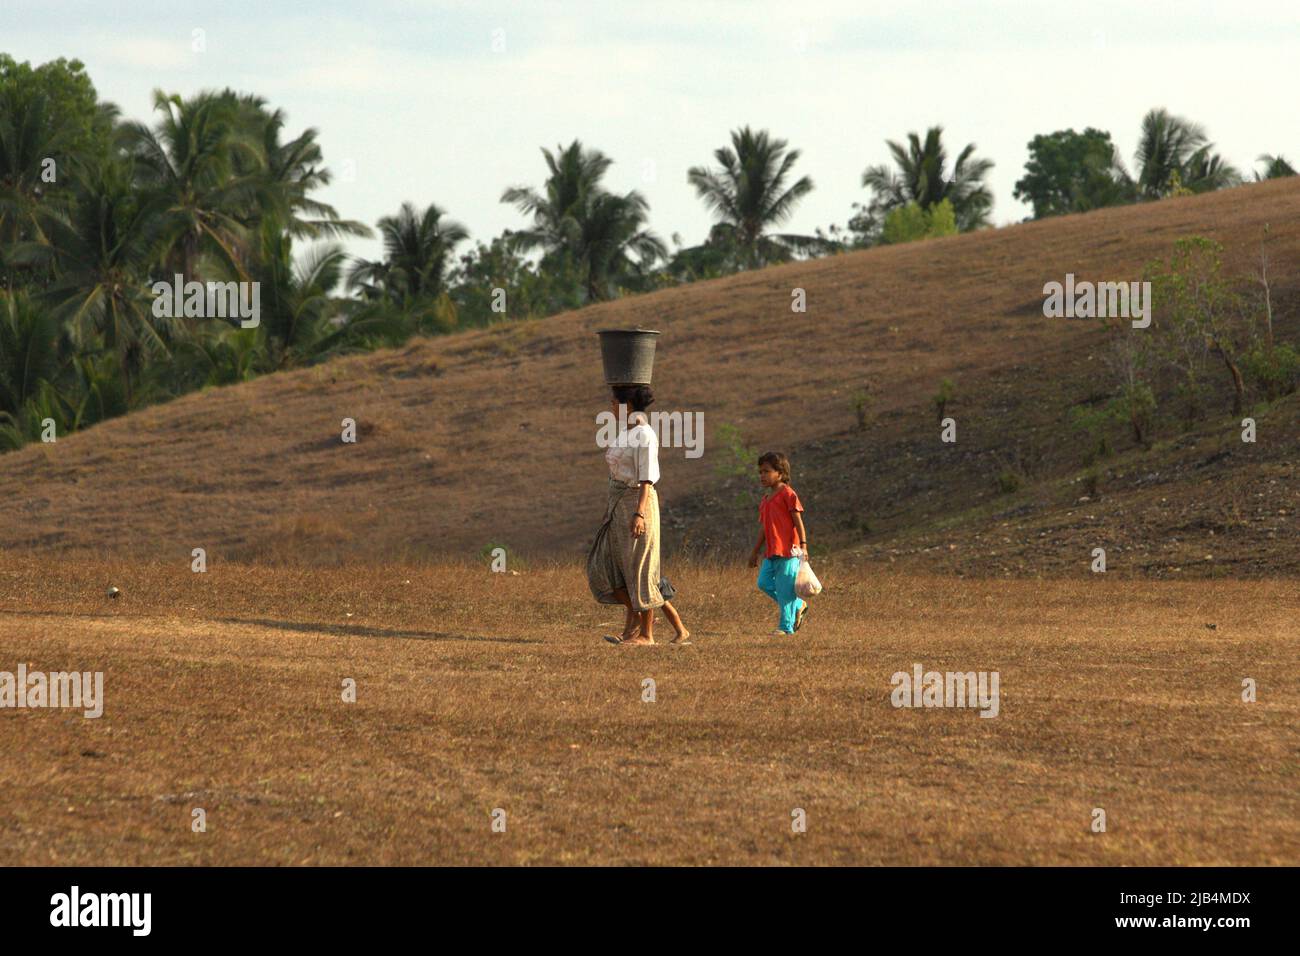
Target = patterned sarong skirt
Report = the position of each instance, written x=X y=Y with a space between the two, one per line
x=619 y=560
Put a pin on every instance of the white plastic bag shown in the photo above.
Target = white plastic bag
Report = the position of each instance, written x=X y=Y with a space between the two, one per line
x=805 y=582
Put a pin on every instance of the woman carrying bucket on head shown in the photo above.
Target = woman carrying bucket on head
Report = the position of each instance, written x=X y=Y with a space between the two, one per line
x=623 y=563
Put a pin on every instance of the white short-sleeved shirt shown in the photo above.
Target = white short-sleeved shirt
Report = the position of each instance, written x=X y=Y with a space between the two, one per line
x=634 y=457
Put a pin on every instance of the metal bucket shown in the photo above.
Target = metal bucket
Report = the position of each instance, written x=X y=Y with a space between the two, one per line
x=628 y=355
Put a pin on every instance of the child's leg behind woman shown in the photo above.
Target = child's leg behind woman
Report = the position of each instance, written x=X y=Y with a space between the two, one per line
x=675 y=619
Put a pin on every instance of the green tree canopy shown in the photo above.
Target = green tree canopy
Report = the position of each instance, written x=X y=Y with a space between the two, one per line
x=910 y=222
x=1073 y=172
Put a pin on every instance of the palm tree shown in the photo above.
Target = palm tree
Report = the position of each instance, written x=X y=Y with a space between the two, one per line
x=224 y=358
x=921 y=176
x=1174 y=152
x=579 y=224
x=1164 y=147
x=103 y=253
x=418 y=249
x=202 y=163
x=574 y=175
x=285 y=173
x=29 y=136
x=101 y=390
x=1275 y=167
x=613 y=242
x=296 y=300
x=748 y=196
x=1207 y=171
x=29 y=350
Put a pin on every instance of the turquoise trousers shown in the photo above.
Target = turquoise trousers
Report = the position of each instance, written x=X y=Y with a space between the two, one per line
x=776 y=580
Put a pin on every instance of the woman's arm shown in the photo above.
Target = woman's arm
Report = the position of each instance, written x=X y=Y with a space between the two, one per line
x=638 y=519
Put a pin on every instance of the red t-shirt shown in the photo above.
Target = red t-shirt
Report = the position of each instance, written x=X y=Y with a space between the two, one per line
x=778 y=526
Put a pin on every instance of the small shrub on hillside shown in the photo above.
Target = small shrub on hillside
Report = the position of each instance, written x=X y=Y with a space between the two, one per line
x=1017 y=466
x=1137 y=405
x=1274 y=370
x=735 y=459
x=1273 y=367
x=1094 y=421
x=910 y=222
x=943 y=397
x=862 y=408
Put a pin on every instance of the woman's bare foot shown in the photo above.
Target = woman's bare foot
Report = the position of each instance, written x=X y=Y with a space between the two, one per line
x=638 y=639
x=683 y=638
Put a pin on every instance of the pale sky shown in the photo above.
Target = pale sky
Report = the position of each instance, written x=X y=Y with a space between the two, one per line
x=416 y=99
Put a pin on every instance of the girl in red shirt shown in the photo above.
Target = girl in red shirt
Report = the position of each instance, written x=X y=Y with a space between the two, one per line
x=781 y=515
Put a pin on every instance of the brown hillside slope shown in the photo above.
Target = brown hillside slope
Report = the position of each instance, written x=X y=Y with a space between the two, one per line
x=487 y=437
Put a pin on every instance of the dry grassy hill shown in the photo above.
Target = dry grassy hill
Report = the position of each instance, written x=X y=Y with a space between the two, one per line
x=487 y=437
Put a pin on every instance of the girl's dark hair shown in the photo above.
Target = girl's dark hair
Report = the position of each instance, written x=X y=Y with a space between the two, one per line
x=636 y=397
x=777 y=462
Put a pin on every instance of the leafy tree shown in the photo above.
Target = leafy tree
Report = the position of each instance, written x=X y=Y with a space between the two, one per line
x=1073 y=172
x=1129 y=359
x=748 y=195
x=910 y=222
x=1273 y=366
x=50 y=118
x=717 y=256
x=1196 y=314
x=921 y=175
x=525 y=291
x=70 y=101
x=1094 y=420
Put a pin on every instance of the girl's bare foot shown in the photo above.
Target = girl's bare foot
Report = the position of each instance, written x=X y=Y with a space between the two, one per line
x=638 y=639
x=683 y=638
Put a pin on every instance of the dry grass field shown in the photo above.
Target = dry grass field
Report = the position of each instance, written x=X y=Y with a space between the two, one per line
x=478 y=691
